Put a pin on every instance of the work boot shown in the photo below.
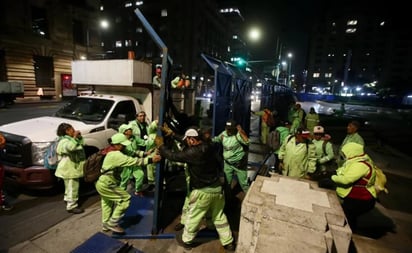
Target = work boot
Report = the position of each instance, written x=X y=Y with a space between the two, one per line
x=76 y=210
x=114 y=228
x=105 y=227
x=230 y=247
x=179 y=226
x=6 y=207
x=185 y=245
x=139 y=194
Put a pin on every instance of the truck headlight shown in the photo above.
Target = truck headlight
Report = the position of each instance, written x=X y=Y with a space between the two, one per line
x=38 y=149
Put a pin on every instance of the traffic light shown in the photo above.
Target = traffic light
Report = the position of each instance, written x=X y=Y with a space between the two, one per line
x=240 y=62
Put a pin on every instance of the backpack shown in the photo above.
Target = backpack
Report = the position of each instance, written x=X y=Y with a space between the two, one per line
x=93 y=165
x=268 y=118
x=274 y=140
x=50 y=156
x=380 y=179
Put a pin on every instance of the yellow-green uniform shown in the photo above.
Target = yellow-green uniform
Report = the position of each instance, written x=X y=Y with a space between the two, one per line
x=264 y=128
x=150 y=145
x=140 y=131
x=356 y=138
x=234 y=160
x=321 y=157
x=297 y=117
x=312 y=120
x=134 y=171
x=356 y=182
x=298 y=158
x=70 y=167
x=114 y=199
x=206 y=197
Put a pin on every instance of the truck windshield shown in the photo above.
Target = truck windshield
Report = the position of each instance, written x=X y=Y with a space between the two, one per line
x=87 y=110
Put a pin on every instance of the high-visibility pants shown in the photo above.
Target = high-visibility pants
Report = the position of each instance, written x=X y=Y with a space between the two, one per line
x=114 y=200
x=71 y=192
x=202 y=203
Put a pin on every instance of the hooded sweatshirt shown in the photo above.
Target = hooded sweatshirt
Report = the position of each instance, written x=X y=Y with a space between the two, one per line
x=355 y=173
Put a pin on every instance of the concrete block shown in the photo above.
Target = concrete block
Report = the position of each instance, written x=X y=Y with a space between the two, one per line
x=293 y=214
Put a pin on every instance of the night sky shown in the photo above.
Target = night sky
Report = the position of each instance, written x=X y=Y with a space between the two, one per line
x=291 y=21
x=288 y=20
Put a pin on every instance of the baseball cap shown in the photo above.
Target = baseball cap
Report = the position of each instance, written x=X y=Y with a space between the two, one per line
x=124 y=127
x=318 y=130
x=301 y=131
x=120 y=138
x=190 y=133
x=231 y=124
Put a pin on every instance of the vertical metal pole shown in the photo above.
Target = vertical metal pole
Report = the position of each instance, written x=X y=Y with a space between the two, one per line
x=87 y=42
x=289 y=71
x=165 y=59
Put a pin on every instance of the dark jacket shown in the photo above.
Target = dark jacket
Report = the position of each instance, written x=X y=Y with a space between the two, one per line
x=203 y=165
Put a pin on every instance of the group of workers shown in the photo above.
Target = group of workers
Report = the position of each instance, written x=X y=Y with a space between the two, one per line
x=306 y=151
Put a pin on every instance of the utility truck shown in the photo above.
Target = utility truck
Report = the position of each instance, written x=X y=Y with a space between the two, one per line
x=9 y=91
x=116 y=90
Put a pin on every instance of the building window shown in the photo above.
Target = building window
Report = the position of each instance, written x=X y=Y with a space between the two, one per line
x=163 y=13
x=328 y=75
x=39 y=22
x=43 y=70
x=316 y=75
x=352 y=22
x=119 y=43
x=350 y=30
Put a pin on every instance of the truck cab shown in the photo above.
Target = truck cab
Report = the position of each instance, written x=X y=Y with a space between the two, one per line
x=112 y=92
x=97 y=116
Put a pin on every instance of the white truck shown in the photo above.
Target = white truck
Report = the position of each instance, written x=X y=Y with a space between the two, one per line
x=9 y=91
x=97 y=116
x=116 y=90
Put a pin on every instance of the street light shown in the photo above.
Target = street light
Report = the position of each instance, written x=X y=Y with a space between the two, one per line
x=283 y=63
x=103 y=24
x=254 y=34
x=290 y=56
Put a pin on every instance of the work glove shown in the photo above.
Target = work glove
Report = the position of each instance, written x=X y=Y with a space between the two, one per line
x=158 y=141
x=166 y=130
x=156 y=158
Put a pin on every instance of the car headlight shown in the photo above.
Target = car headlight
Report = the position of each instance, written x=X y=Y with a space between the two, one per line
x=38 y=149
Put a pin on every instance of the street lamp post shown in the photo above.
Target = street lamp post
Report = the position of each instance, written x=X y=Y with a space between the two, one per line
x=283 y=63
x=290 y=55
